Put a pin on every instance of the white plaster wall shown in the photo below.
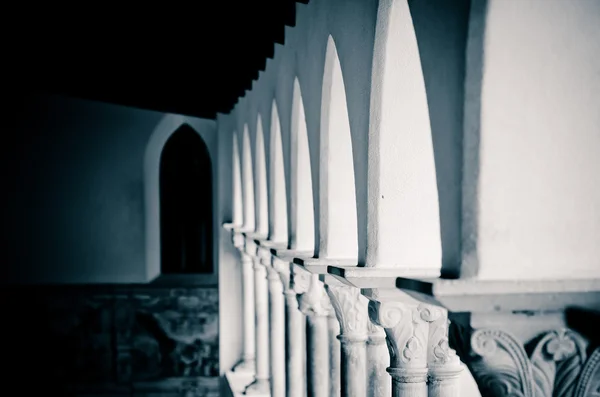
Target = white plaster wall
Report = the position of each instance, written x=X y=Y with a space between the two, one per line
x=531 y=182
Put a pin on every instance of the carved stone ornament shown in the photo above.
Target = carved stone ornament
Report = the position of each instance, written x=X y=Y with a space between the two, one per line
x=351 y=311
x=315 y=302
x=238 y=240
x=283 y=268
x=407 y=333
x=299 y=280
x=557 y=367
x=439 y=352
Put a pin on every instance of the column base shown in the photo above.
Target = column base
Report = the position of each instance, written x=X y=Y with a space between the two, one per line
x=245 y=365
x=259 y=386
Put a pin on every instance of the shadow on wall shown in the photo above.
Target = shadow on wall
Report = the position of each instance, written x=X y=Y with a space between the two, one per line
x=441 y=29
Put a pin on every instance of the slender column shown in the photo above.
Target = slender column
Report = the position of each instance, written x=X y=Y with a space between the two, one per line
x=295 y=346
x=407 y=336
x=247 y=363
x=444 y=365
x=277 y=328
x=335 y=354
x=313 y=302
x=261 y=292
x=378 y=359
x=352 y=315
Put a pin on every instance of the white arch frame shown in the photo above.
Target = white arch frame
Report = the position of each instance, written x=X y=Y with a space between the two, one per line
x=403 y=217
x=338 y=229
x=278 y=229
x=260 y=172
x=302 y=213
x=247 y=182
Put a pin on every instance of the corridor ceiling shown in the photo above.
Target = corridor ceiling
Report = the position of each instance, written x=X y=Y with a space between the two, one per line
x=192 y=58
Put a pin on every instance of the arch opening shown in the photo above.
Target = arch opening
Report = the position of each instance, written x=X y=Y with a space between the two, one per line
x=302 y=204
x=278 y=229
x=247 y=182
x=338 y=231
x=238 y=215
x=262 y=206
x=185 y=183
x=403 y=218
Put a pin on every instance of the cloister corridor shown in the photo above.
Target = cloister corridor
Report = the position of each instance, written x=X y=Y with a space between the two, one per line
x=381 y=198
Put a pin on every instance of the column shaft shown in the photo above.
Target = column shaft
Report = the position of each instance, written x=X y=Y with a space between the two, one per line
x=295 y=348
x=261 y=292
x=318 y=356
x=248 y=302
x=335 y=355
x=353 y=367
x=378 y=359
x=277 y=332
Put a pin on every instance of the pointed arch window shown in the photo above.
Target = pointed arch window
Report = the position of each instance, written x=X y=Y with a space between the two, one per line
x=186 y=204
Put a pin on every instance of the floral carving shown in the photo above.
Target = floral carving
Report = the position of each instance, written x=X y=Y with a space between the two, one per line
x=407 y=333
x=350 y=308
x=589 y=381
x=439 y=351
x=238 y=240
x=314 y=302
x=299 y=280
x=283 y=268
x=556 y=367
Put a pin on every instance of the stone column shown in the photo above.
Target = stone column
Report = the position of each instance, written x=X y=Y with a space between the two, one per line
x=261 y=292
x=314 y=303
x=444 y=365
x=335 y=354
x=295 y=346
x=277 y=327
x=352 y=315
x=248 y=355
x=407 y=335
x=378 y=359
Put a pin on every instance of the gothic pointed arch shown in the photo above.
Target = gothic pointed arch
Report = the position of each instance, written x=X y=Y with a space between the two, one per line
x=238 y=215
x=247 y=182
x=278 y=213
x=186 y=206
x=261 y=200
x=403 y=222
x=338 y=233
x=302 y=205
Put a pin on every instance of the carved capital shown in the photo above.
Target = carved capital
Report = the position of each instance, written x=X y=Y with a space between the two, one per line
x=299 y=280
x=557 y=366
x=283 y=268
x=273 y=277
x=376 y=333
x=407 y=334
x=315 y=302
x=238 y=240
x=439 y=353
x=264 y=255
x=351 y=310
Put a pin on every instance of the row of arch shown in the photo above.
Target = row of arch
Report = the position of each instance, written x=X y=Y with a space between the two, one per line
x=315 y=208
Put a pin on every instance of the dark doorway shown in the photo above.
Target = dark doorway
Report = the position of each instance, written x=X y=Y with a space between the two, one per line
x=185 y=204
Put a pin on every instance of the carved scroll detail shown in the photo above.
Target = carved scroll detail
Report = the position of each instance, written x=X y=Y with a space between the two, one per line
x=589 y=381
x=407 y=332
x=557 y=366
x=351 y=310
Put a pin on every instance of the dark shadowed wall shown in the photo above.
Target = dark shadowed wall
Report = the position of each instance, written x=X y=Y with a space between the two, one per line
x=73 y=205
